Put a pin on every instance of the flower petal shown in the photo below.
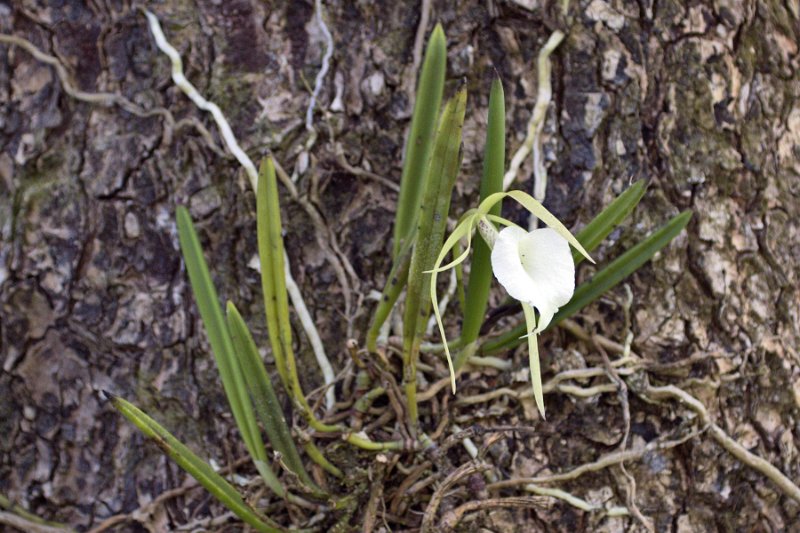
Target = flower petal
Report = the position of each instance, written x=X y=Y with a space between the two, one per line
x=506 y=263
x=536 y=268
x=547 y=261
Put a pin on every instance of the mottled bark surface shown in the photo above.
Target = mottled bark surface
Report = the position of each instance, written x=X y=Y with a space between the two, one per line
x=698 y=99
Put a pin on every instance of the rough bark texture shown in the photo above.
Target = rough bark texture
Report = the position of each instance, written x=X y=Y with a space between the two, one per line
x=699 y=98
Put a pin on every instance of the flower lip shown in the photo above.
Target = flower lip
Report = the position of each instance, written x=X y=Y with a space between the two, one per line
x=535 y=268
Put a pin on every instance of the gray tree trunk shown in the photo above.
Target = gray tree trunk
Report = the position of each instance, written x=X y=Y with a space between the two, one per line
x=698 y=98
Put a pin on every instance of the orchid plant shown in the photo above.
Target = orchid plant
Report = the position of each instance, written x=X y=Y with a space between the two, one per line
x=535 y=267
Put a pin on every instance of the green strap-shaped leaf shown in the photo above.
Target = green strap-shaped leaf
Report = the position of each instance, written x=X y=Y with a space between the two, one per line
x=624 y=265
x=194 y=466
x=420 y=140
x=265 y=401
x=273 y=280
x=480 y=276
x=412 y=183
x=218 y=337
x=430 y=233
x=271 y=255
x=602 y=282
x=603 y=224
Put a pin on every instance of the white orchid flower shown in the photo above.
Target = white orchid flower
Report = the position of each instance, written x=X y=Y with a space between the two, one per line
x=534 y=267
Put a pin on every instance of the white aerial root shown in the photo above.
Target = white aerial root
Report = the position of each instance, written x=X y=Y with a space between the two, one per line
x=190 y=91
x=419 y=43
x=468 y=443
x=323 y=71
x=101 y=98
x=575 y=501
x=544 y=94
x=748 y=458
x=63 y=76
x=233 y=145
x=303 y=158
x=533 y=140
x=313 y=336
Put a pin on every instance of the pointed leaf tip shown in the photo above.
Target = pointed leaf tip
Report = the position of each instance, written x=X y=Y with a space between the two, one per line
x=109 y=396
x=497 y=82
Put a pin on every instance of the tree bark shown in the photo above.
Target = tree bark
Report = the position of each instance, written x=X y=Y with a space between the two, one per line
x=697 y=98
